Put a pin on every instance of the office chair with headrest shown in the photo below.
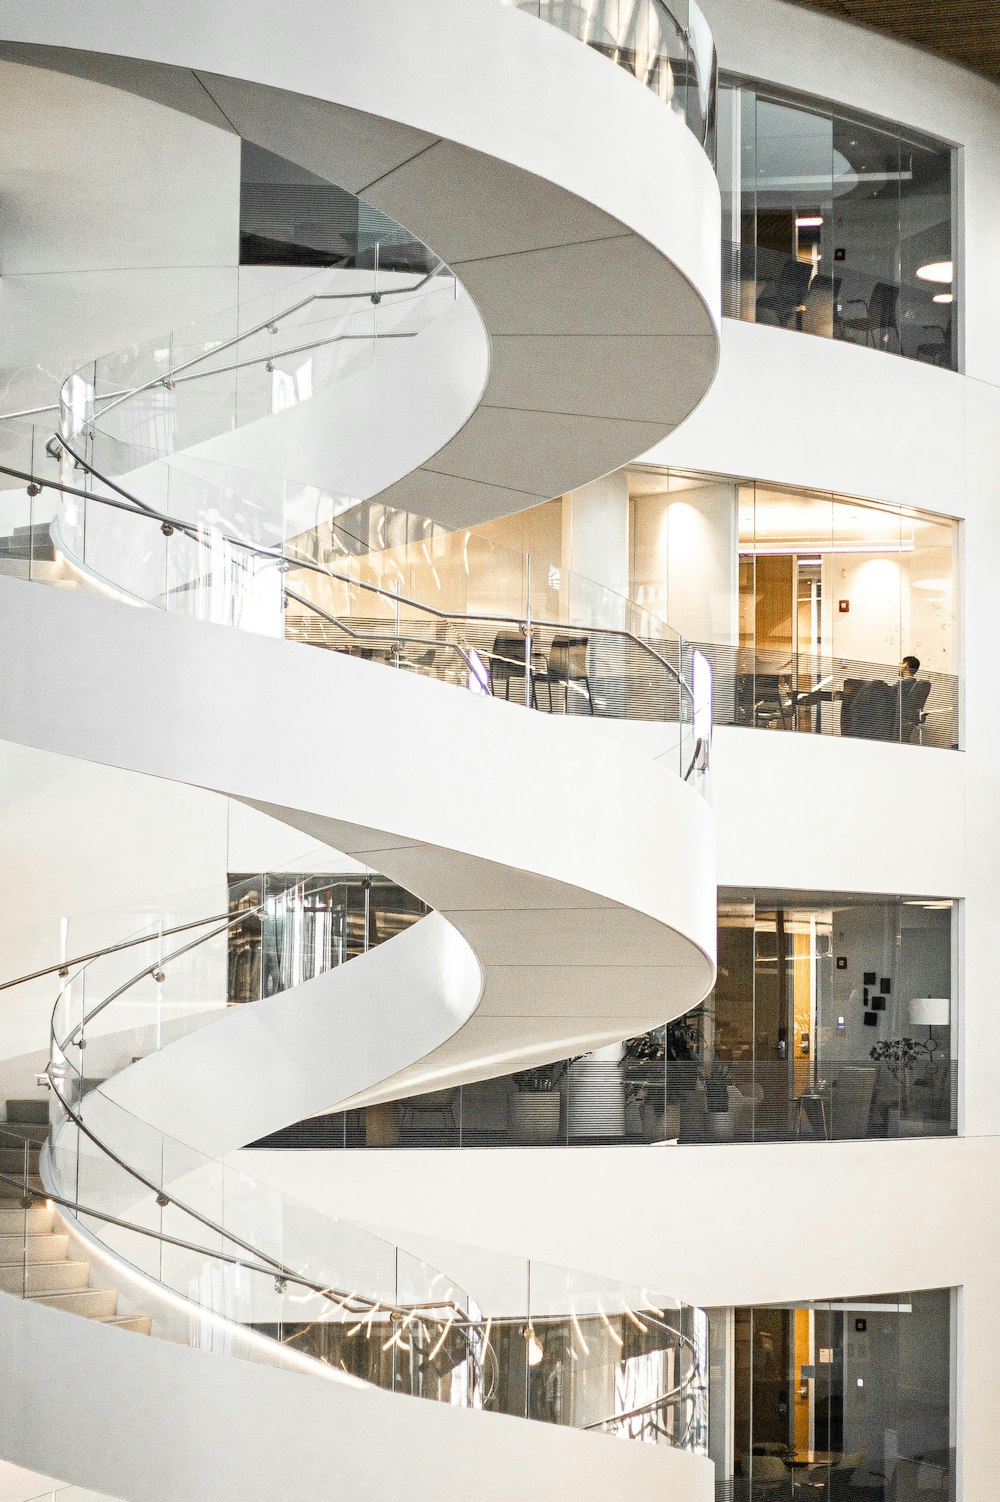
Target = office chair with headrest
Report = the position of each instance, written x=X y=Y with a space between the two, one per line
x=507 y=662
x=912 y=700
x=784 y=302
x=566 y=664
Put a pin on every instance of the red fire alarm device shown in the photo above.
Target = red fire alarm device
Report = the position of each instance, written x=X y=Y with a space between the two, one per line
x=844 y=606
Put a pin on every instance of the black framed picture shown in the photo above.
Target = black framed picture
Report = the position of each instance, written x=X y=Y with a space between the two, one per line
x=867 y=996
x=878 y=1003
x=870 y=977
x=871 y=1019
x=885 y=986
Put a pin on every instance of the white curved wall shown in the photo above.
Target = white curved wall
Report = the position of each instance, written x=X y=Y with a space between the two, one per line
x=594 y=264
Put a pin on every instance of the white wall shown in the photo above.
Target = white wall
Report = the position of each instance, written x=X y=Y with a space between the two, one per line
x=595 y=532
x=684 y=555
x=94 y=255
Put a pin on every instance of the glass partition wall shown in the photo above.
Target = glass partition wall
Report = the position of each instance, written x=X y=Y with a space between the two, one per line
x=836 y=224
x=833 y=1018
x=301 y=924
x=844 y=1399
x=807 y=603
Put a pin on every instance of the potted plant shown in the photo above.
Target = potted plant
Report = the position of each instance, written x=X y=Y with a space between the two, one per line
x=535 y=1104
x=644 y=1077
x=901 y=1056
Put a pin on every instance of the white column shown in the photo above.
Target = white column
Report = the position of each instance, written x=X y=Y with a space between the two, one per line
x=595 y=532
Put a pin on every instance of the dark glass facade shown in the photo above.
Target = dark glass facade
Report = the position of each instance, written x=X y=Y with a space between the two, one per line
x=836 y=224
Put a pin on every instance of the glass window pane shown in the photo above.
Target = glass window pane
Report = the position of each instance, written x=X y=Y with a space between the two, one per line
x=927 y=283
x=794 y=190
x=862 y=240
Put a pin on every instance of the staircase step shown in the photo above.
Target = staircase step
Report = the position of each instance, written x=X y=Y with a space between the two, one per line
x=27 y=547
x=31 y=529
x=34 y=1247
x=28 y=1110
x=23 y=1131
x=33 y=1222
x=142 y=1324
x=95 y=1303
x=12 y=1158
x=10 y=1191
x=45 y=1277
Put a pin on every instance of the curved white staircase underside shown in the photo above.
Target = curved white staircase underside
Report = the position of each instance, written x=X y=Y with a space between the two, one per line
x=573 y=882
x=579 y=876
x=581 y=215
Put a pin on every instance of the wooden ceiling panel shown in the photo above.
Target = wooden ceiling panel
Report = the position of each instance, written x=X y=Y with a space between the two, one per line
x=967 y=31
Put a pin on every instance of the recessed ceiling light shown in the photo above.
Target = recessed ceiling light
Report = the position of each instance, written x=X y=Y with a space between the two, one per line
x=936 y=271
x=808 y=221
x=944 y=297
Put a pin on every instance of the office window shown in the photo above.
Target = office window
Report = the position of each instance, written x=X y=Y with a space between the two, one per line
x=846 y=1398
x=836 y=225
x=833 y=1017
x=806 y=603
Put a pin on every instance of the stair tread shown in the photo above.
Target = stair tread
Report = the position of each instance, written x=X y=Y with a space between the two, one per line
x=74 y=1298
x=129 y=1321
x=36 y=1111
x=51 y=1262
x=25 y=1131
x=12 y=1222
x=44 y=1292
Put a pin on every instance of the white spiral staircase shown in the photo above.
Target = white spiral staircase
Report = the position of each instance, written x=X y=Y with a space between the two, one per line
x=571 y=877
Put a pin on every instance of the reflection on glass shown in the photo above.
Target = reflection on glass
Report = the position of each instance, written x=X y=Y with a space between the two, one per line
x=668 y=48
x=836 y=225
x=297 y=926
x=847 y=1399
x=832 y=1018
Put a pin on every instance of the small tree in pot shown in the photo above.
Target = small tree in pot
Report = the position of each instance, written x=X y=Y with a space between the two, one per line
x=662 y=1068
x=645 y=1082
x=535 y=1103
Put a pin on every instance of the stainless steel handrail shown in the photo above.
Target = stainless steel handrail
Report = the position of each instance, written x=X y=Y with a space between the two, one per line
x=268 y=325
x=64 y=966
x=264 y=1263
x=282 y=354
x=292 y=561
x=272 y=1269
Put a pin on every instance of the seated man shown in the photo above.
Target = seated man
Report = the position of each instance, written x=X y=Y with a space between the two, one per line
x=912 y=698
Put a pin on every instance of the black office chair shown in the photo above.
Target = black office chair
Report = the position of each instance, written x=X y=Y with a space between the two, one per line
x=566 y=664
x=936 y=351
x=507 y=661
x=774 y=706
x=869 y=710
x=910 y=716
x=785 y=302
x=821 y=306
x=880 y=319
